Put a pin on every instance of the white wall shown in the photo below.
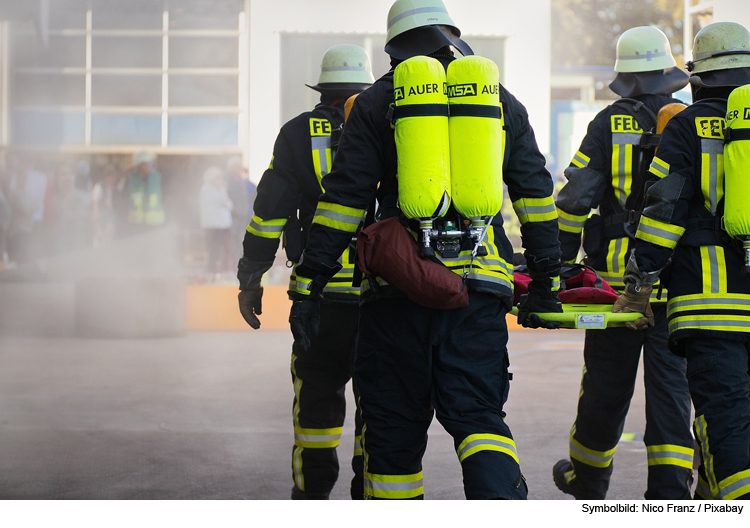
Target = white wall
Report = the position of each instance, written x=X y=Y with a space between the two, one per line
x=527 y=70
x=732 y=11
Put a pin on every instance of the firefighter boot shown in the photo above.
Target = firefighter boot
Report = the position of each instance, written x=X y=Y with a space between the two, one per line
x=566 y=481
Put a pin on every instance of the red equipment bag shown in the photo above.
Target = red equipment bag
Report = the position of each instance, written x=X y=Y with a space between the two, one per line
x=579 y=284
x=387 y=249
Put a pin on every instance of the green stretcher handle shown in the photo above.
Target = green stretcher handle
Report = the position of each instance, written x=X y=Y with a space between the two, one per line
x=587 y=316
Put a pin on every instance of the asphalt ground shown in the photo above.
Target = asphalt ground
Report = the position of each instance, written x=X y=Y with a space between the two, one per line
x=208 y=416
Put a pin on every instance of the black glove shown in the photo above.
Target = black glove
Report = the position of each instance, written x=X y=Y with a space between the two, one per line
x=250 y=305
x=304 y=320
x=540 y=299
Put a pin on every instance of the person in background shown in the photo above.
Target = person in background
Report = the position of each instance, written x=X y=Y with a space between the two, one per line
x=215 y=219
x=103 y=205
x=237 y=188
x=144 y=190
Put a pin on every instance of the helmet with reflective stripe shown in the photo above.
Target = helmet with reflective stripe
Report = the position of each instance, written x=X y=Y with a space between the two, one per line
x=643 y=48
x=421 y=27
x=345 y=68
x=721 y=56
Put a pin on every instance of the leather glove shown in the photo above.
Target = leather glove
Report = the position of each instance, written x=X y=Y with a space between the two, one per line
x=304 y=320
x=635 y=299
x=541 y=299
x=250 y=305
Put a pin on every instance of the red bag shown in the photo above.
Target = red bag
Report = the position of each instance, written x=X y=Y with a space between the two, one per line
x=387 y=249
x=579 y=284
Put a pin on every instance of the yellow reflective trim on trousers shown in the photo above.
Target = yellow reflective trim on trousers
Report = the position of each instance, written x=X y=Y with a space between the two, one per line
x=672 y=455
x=701 y=431
x=394 y=486
x=659 y=233
x=659 y=167
x=266 y=228
x=338 y=216
x=714 y=269
x=317 y=438
x=535 y=209
x=486 y=442
x=358 y=445
x=580 y=159
x=570 y=223
x=299 y=478
x=735 y=486
x=702 y=490
x=590 y=457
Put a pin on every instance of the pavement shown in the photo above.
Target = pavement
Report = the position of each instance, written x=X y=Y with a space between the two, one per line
x=208 y=416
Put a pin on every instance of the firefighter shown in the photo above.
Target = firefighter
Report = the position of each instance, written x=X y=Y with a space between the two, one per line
x=414 y=361
x=284 y=206
x=681 y=239
x=144 y=191
x=610 y=172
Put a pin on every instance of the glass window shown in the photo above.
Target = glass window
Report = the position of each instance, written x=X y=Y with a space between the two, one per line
x=126 y=52
x=48 y=128
x=203 y=130
x=62 y=52
x=203 y=52
x=130 y=14
x=126 y=90
x=70 y=14
x=200 y=14
x=125 y=129
x=49 y=89
x=191 y=90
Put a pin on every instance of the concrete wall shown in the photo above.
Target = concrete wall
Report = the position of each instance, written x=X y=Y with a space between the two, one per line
x=525 y=24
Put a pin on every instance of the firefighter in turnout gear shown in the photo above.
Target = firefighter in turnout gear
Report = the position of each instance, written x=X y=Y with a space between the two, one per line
x=415 y=361
x=610 y=172
x=286 y=199
x=681 y=240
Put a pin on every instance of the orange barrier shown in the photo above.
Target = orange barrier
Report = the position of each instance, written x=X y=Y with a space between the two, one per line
x=214 y=307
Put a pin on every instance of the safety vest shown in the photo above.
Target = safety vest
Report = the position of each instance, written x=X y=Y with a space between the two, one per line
x=145 y=199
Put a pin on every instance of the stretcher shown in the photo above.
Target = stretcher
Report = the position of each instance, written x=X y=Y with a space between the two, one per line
x=587 y=316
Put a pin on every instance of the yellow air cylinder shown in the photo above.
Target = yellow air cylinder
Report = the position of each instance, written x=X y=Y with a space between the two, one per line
x=737 y=169
x=422 y=137
x=476 y=136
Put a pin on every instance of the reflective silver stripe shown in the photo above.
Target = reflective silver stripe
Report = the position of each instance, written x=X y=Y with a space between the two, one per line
x=317 y=438
x=713 y=262
x=343 y=68
x=321 y=144
x=655 y=167
x=267 y=228
x=616 y=257
x=676 y=303
x=701 y=323
x=622 y=138
x=734 y=486
x=712 y=147
x=571 y=223
x=702 y=489
x=339 y=217
x=580 y=159
x=650 y=55
x=416 y=11
x=488 y=278
x=536 y=209
x=670 y=454
x=479 y=442
x=601 y=460
x=661 y=233
x=341 y=289
x=394 y=486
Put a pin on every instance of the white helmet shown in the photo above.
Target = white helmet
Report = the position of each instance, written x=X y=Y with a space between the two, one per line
x=721 y=56
x=645 y=64
x=421 y=27
x=142 y=156
x=345 y=68
x=644 y=48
